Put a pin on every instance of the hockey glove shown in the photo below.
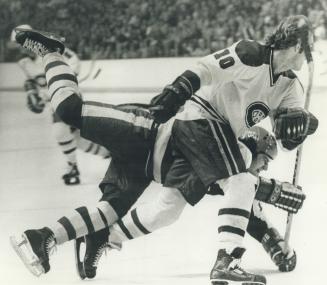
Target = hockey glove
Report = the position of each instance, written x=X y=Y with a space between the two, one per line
x=283 y=195
x=35 y=103
x=273 y=244
x=166 y=104
x=294 y=124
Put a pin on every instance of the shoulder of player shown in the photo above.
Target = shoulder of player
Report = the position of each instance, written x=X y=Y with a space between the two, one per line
x=251 y=53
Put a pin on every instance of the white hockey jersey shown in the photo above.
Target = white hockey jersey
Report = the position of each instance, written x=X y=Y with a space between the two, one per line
x=239 y=86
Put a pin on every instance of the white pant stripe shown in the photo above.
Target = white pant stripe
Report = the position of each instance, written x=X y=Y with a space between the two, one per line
x=230 y=172
x=105 y=112
x=227 y=145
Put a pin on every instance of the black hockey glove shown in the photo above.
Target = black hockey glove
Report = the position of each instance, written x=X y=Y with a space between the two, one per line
x=283 y=195
x=166 y=104
x=273 y=244
x=35 y=103
x=294 y=124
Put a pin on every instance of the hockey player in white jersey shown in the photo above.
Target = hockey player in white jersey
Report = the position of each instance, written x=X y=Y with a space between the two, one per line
x=35 y=85
x=209 y=144
x=230 y=91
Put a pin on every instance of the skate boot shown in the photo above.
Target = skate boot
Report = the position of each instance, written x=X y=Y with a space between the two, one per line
x=95 y=245
x=72 y=176
x=273 y=244
x=33 y=248
x=39 y=42
x=226 y=270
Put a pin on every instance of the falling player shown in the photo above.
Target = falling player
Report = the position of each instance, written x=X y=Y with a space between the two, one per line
x=35 y=86
x=263 y=148
x=100 y=122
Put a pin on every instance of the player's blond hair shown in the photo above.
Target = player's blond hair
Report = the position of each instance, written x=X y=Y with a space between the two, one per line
x=290 y=31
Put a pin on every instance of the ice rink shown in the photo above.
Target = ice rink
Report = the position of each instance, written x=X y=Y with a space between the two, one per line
x=32 y=195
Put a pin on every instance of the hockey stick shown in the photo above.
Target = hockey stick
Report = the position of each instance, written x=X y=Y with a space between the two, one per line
x=298 y=158
x=91 y=69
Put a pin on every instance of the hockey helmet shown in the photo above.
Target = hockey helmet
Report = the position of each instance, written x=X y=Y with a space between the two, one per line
x=259 y=140
x=13 y=33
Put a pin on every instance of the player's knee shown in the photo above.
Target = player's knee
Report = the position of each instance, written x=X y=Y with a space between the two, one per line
x=239 y=191
x=70 y=111
x=171 y=204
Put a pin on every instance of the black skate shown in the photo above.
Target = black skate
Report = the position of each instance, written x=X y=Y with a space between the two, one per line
x=226 y=270
x=273 y=244
x=72 y=176
x=33 y=248
x=95 y=245
x=39 y=42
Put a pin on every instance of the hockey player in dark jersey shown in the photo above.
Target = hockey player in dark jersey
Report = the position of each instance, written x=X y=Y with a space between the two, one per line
x=35 y=86
x=111 y=127
x=263 y=149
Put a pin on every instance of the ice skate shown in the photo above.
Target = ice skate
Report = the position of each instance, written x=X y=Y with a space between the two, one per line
x=39 y=42
x=72 y=175
x=273 y=244
x=33 y=247
x=226 y=270
x=95 y=245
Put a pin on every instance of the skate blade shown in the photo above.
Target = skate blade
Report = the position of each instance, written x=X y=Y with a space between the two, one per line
x=79 y=264
x=26 y=254
x=230 y=282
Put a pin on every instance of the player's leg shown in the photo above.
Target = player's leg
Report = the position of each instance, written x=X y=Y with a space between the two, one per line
x=233 y=220
x=61 y=79
x=214 y=153
x=262 y=230
x=34 y=245
x=132 y=183
x=160 y=212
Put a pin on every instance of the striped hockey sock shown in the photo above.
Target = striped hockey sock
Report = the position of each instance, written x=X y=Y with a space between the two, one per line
x=235 y=211
x=62 y=82
x=83 y=221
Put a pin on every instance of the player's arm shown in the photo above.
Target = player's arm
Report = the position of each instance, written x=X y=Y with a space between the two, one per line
x=291 y=122
x=215 y=69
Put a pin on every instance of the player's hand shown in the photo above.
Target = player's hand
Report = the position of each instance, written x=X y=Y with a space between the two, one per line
x=294 y=124
x=286 y=261
x=35 y=103
x=166 y=104
x=286 y=196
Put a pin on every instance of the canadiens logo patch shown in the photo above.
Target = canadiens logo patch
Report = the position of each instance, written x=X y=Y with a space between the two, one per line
x=255 y=113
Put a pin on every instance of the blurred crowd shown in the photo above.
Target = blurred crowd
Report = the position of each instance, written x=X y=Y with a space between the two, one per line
x=152 y=28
